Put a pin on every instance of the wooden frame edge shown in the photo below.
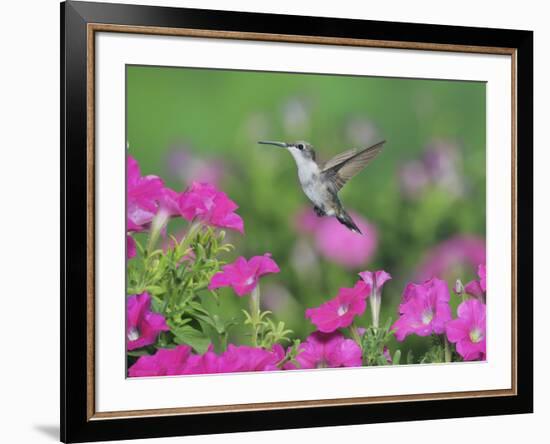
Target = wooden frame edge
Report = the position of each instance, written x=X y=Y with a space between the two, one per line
x=91 y=29
x=90 y=219
x=289 y=38
x=514 y=233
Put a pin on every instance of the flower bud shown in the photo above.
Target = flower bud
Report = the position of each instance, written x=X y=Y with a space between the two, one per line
x=458 y=288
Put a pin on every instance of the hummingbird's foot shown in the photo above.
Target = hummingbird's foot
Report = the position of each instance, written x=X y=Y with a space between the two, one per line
x=319 y=211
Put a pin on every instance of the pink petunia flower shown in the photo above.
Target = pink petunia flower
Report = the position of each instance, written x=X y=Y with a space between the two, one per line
x=180 y=361
x=473 y=288
x=424 y=309
x=468 y=331
x=142 y=194
x=188 y=167
x=167 y=208
x=207 y=363
x=242 y=358
x=482 y=273
x=335 y=242
x=322 y=350
x=169 y=202
x=455 y=252
x=478 y=288
x=205 y=203
x=413 y=179
x=443 y=163
x=131 y=226
x=340 y=311
x=387 y=355
x=306 y=221
x=165 y=362
x=142 y=325
x=243 y=275
x=130 y=247
x=279 y=351
x=376 y=280
x=439 y=167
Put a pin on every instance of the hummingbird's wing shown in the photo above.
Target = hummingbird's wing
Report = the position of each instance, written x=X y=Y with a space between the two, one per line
x=344 y=166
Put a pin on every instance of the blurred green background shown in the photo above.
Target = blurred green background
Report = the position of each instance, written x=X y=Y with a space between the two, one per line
x=424 y=195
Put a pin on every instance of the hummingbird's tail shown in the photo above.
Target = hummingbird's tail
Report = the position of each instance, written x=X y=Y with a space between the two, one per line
x=345 y=219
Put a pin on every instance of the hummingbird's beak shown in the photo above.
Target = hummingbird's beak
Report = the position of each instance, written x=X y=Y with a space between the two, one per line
x=269 y=142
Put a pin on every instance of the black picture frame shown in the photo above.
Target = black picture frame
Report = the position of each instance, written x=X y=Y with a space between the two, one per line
x=76 y=424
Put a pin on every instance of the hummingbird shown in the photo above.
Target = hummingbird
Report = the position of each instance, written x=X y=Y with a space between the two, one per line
x=321 y=181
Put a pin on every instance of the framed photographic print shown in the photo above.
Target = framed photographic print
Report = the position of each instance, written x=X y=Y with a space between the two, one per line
x=276 y=221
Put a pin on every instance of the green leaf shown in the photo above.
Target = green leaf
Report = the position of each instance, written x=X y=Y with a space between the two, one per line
x=157 y=305
x=198 y=307
x=216 y=324
x=155 y=289
x=176 y=321
x=396 y=357
x=138 y=353
x=248 y=318
x=139 y=247
x=192 y=337
x=173 y=239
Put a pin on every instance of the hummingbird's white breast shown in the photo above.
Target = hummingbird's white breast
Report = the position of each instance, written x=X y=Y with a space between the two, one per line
x=309 y=176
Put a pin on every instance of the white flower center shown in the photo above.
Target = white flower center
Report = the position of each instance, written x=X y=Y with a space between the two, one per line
x=476 y=335
x=343 y=309
x=133 y=334
x=249 y=281
x=427 y=316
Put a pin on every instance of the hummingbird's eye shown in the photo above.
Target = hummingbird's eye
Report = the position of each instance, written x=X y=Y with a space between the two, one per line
x=300 y=146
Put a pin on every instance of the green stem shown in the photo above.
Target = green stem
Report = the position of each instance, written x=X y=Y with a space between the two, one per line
x=190 y=235
x=355 y=334
x=254 y=302
x=448 y=355
x=156 y=227
x=374 y=302
x=224 y=341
